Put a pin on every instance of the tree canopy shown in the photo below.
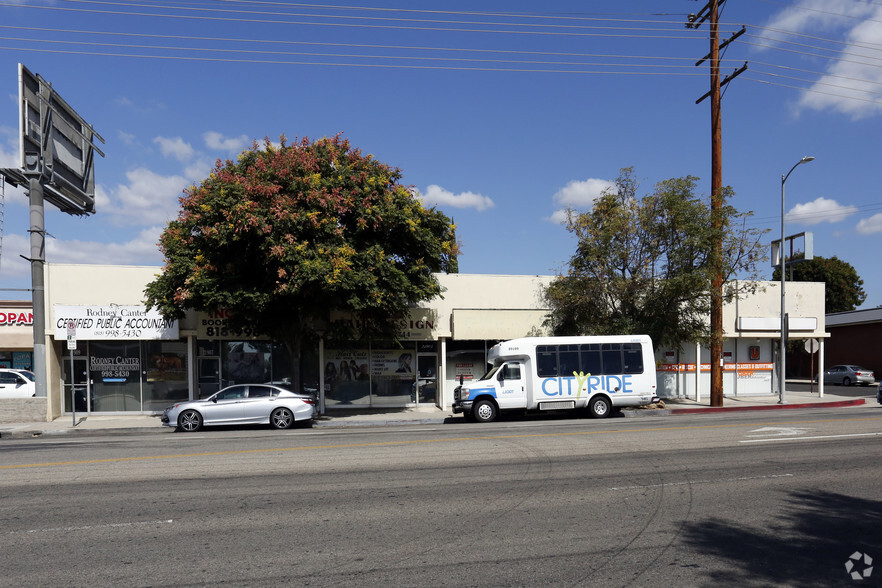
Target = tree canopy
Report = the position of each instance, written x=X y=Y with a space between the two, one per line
x=844 y=288
x=643 y=264
x=288 y=233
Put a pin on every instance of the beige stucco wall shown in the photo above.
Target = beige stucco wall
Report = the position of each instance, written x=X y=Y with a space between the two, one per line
x=476 y=306
x=804 y=301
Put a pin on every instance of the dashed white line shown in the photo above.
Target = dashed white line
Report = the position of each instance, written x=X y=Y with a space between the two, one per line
x=90 y=527
x=774 y=439
x=694 y=482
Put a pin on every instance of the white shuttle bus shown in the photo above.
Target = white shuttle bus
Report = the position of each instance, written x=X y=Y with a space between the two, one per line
x=557 y=373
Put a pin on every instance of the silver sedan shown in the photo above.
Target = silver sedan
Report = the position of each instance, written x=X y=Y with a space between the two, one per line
x=242 y=404
x=847 y=375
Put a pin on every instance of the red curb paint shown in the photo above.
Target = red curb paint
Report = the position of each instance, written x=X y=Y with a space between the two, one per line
x=856 y=402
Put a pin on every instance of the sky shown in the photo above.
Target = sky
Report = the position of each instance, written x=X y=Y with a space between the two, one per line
x=500 y=113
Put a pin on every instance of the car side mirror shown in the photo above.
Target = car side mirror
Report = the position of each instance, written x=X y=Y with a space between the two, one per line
x=214 y=399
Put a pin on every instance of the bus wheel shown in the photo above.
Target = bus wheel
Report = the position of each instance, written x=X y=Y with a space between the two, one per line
x=484 y=411
x=599 y=407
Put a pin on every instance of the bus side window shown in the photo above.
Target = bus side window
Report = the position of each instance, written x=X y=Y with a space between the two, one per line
x=590 y=354
x=568 y=360
x=633 y=357
x=612 y=358
x=546 y=361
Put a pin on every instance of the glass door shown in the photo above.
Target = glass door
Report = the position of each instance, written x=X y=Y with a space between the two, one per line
x=427 y=378
x=209 y=376
x=78 y=384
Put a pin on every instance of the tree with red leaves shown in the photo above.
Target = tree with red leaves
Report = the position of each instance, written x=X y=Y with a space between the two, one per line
x=287 y=234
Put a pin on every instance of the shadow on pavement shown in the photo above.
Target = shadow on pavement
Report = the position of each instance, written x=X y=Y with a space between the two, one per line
x=808 y=544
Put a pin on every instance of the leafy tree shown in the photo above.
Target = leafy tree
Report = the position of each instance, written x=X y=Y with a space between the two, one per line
x=643 y=265
x=286 y=234
x=844 y=288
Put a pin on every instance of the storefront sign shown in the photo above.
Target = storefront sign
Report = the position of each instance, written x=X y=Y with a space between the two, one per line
x=12 y=317
x=418 y=325
x=113 y=322
x=214 y=325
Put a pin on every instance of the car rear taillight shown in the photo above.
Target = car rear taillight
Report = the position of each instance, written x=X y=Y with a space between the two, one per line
x=309 y=400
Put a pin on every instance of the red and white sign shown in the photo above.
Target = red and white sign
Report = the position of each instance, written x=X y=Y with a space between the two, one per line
x=11 y=317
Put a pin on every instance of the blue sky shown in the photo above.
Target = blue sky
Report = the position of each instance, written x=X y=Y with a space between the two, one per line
x=500 y=113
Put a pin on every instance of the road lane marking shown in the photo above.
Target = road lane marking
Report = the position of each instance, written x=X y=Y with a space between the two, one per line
x=693 y=482
x=809 y=438
x=89 y=527
x=423 y=442
x=777 y=432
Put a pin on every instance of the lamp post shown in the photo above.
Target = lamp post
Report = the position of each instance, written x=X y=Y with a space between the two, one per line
x=783 y=277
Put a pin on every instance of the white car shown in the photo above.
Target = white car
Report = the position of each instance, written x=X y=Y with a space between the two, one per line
x=17 y=383
x=242 y=404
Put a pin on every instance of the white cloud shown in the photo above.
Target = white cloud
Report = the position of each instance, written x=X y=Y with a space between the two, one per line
x=437 y=196
x=198 y=170
x=870 y=226
x=217 y=142
x=9 y=148
x=176 y=147
x=851 y=84
x=148 y=198
x=140 y=250
x=582 y=193
x=578 y=194
x=11 y=263
x=819 y=211
x=127 y=138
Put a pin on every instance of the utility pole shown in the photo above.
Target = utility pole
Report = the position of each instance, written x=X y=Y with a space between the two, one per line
x=711 y=12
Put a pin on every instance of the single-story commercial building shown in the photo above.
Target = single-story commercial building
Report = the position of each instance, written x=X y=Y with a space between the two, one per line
x=107 y=354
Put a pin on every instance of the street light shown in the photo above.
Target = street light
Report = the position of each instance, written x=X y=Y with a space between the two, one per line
x=783 y=280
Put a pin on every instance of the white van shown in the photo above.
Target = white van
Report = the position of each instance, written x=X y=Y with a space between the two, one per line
x=16 y=383
x=558 y=373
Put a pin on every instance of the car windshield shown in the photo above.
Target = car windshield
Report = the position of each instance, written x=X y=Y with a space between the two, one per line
x=29 y=375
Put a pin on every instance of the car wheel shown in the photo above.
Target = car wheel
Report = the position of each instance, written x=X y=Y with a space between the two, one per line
x=846 y=381
x=484 y=411
x=190 y=421
x=599 y=407
x=282 y=418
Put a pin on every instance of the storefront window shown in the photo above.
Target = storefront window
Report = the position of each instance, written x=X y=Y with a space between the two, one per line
x=115 y=371
x=347 y=376
x=379 y=377
x=246 y=362
x=467 y=360
x=165 y=374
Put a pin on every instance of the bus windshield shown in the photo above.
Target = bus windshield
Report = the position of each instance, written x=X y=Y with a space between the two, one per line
x=490 y=374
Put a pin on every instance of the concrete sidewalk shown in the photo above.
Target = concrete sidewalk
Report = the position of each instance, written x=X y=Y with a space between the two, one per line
x=139 y=424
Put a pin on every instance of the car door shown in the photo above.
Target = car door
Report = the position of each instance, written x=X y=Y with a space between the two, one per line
x=259 y=403
x=225 y=407
x=13 y=385
x=833 y=375
x=512 y=386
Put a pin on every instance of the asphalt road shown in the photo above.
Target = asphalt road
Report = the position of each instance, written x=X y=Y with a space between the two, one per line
x=738 y=499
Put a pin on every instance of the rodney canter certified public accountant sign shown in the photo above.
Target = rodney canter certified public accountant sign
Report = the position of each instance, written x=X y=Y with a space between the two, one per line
x=113 y=322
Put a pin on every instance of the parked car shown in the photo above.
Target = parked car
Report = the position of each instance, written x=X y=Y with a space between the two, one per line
x=253 y=404
x=849 y=374
x=17 y=383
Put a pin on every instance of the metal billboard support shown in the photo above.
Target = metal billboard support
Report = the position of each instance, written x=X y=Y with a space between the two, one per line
x=57 y=165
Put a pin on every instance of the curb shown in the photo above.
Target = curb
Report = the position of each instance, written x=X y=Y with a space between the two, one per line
x=855 y=402
x=36 y=434
x=318 y=424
